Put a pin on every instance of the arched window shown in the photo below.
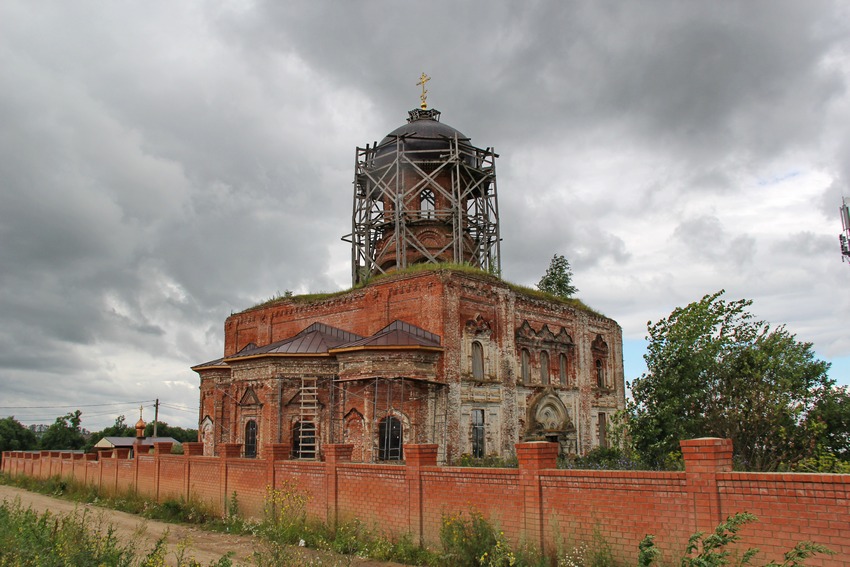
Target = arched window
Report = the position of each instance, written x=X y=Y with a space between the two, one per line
x=477 y=361
x=600 y=374
x=562 y=369
x=427 y=204
x=524 y=363
x=544 y=367
x=390 y=440
x=251 y=439
x=304 y=440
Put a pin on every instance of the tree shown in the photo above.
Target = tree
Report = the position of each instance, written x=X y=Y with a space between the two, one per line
x=117 y=429
x=832 y=411
x=15 y=437
x=178 y=433
x=558 y=278
x=713 y=370
x=64 y=433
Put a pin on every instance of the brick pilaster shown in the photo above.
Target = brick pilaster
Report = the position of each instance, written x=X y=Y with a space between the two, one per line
x=534 y=457
x=334 y=454
x=416 y=457
x=704 y=459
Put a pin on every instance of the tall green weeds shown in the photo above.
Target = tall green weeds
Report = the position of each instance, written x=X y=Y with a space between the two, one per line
x=78 y=539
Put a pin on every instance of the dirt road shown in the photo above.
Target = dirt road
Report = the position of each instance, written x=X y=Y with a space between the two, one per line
x=206 y=547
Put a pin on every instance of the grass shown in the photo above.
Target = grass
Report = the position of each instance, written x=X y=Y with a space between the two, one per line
x=170 y=510
x=78 y=539
x=421 y=268
x=282 y=532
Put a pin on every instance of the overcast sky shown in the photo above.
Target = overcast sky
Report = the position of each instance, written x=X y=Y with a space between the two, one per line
x=163 y=164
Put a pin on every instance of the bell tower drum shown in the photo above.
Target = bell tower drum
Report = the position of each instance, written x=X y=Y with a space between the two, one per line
x=424 y=194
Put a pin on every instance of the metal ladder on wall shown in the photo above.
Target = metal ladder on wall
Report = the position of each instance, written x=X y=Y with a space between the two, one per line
x=308 y=412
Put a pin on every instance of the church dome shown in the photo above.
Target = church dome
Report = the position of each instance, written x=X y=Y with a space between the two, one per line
x=424 y=135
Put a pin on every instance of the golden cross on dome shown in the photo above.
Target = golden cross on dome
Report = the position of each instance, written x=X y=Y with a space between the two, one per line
x=422 y=80
x=140 y=412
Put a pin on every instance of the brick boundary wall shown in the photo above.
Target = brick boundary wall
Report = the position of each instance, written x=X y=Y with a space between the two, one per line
x=536 y=504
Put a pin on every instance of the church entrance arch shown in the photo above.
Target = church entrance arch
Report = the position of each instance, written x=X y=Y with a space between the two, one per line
x=549 y=420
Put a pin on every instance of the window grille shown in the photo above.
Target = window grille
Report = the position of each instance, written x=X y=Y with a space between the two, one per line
x=390 y=440
x=251 y=439
x=478 y=433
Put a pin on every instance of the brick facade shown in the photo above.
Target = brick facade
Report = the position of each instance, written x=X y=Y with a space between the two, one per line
x=537 y=504
x=505 y=367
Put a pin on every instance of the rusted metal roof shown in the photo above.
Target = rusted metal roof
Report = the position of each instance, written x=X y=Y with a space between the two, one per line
x=315 y=339
x=319 y=338
x=397 y=333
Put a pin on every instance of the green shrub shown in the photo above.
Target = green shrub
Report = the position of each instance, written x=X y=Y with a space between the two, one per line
x=711 y=550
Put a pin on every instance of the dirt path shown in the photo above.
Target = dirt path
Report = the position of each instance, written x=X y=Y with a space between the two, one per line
x=206 y=547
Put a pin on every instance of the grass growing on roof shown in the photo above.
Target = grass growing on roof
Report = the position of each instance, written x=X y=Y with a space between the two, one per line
x=422 y=268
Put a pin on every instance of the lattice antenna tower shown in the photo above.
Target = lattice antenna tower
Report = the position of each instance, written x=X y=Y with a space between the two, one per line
x=424 y=194
x=844 y=237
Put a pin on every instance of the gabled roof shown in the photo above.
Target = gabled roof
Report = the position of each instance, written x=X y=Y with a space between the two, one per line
x=396 y=334
x=318 y=338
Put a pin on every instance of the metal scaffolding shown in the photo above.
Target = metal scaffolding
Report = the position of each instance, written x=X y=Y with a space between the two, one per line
x=396 y=186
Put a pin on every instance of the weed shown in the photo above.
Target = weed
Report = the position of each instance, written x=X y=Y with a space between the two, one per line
x=711 y=550
x=78 y=538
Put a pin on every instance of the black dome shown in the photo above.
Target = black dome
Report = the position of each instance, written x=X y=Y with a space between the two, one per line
x=423 y=134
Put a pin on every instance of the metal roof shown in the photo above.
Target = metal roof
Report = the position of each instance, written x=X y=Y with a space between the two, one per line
x=318 y=338
x=397 y=333
x=210 y=364
x=111 y=442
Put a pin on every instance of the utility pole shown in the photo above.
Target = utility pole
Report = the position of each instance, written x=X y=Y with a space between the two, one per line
x=155 y=416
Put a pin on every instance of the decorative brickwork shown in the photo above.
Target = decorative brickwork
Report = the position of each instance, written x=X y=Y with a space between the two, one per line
x=421 y=358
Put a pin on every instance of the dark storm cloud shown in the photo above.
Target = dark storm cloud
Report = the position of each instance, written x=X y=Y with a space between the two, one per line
x=163 y=165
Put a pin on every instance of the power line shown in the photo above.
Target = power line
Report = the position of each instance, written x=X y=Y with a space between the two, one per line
x=162 y=404
x=76 y=405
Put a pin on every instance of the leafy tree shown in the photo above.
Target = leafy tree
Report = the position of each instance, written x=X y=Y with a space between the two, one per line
x=558 y=278
x=15 y=437
x=178 y=433
x=64 y=433
x=832 y=411
x=712 y=370
x=117 y=429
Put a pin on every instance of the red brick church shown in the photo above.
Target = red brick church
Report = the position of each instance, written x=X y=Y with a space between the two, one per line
x=430 y=345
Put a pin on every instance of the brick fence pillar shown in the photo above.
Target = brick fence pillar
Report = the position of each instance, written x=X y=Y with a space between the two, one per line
x=226 y=452
x=275 y=452
x=534 y=457
x=416 y=457
x=704 y=459
x=193 y=449
x=334 y=454
x=160 y=448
